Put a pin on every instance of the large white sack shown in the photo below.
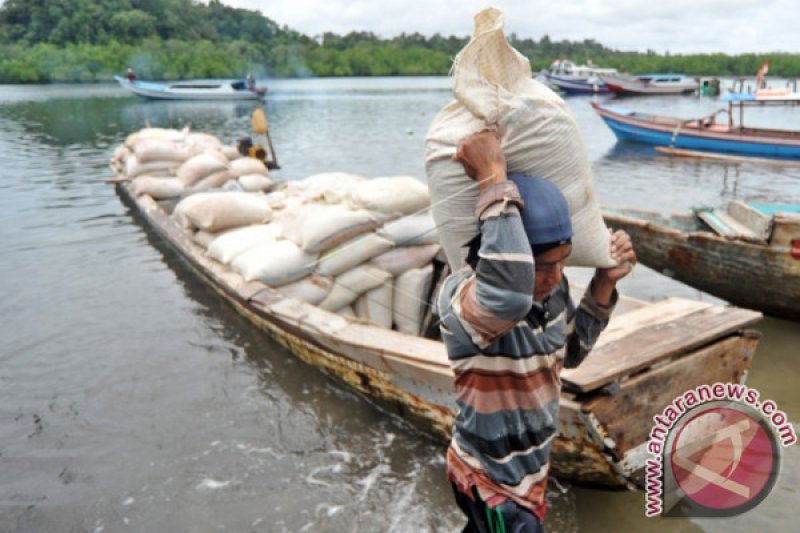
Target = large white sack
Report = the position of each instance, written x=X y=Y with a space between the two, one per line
x=158 y=188
x=255 y=182
x=163 y=150
x=239 y=240
x=312 y=289
x=349 y=286
x=214 y=180
x=275 y=263
x=231 y=152
x=155 y=133
x=347 y=311
x=223 y=210
x=319 y=227
x=206 y=238
x=200 y=166
x=391 y=196
x=352 y=253
x=403 y=258
x=414 y=229
x=376 y=305
x=247 y=165
x=410 y=299
x=494 y=89
x=179 y=213
x=330 y=186
x=135 y=168
x=203 y=141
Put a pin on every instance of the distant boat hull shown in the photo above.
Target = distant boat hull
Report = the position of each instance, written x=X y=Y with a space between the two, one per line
x=638 y=127
x=633 y=86
x=191 y=90
x=574 y=85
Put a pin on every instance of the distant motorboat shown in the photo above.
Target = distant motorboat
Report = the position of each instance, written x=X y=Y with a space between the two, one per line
x=645 y=84
x=577 y=79
x=193 y=89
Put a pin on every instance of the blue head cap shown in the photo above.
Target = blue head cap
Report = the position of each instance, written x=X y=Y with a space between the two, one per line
x=546 y=213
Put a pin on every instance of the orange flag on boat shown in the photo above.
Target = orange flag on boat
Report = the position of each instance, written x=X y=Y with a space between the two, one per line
x=761 y=73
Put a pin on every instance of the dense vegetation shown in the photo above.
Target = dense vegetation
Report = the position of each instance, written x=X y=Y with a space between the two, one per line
x=90 y=40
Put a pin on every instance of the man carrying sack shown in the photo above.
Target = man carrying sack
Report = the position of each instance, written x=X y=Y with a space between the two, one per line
x=509 y=326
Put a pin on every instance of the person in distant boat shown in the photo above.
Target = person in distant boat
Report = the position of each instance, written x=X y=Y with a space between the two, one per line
x=509 y=326
x=251 y=82
x=130 y=75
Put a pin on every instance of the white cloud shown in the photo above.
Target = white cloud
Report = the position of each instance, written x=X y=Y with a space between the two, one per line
x=680 y=26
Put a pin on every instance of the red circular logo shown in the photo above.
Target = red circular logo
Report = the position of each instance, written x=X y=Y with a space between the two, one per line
x=724 y=459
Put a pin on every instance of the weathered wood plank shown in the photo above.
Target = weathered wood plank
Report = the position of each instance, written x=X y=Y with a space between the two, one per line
x=627 y=414
x=652 y=344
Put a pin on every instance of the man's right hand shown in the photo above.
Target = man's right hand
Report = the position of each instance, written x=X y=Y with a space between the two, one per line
x=483 y=158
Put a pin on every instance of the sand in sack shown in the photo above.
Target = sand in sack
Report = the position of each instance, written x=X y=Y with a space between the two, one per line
x=352 y=253
x=214 y=180
x=275 y=263
x=414 y=229
x=206 y=238
x=239 y=240
x=312 y=289
x=134 y=167
x=376 y=305
x=410 y=293
x=349 y=286
x=403 y=258
x=319 y=227
x=494 y=89
x=201 y=166
x=247 y=165
x=330 y=186
x=255 y=182
x=158 y=188
x=163 y=150
x=216 y=211
x=391 y=196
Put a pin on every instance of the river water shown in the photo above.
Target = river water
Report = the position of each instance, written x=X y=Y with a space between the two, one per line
x=132 y=399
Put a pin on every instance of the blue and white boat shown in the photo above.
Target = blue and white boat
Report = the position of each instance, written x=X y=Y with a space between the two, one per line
x=193 y=89
x=577 y=79
x=703 y=134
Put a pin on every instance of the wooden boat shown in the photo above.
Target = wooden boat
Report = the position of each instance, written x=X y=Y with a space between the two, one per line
x=649 y=84
x=192 y=90
x=748 y=255
x=702 y=134
x=645 y=358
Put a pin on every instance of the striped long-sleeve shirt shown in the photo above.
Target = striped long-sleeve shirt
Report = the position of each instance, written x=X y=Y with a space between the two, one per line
x=506 y=351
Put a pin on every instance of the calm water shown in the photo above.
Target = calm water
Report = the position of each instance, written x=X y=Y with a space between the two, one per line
x=131 y=399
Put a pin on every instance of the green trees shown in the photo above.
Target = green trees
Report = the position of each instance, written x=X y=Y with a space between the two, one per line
x=90 y=40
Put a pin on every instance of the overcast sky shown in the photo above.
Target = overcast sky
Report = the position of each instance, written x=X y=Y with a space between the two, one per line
x=680 y=26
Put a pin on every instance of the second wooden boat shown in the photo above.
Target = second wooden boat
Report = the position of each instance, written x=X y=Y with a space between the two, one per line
x=748 y=255
x=192 y=90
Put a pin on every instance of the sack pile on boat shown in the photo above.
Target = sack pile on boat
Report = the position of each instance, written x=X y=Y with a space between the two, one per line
x=351 y=245
x=167 y=163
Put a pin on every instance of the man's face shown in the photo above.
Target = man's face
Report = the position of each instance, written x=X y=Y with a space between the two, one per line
x=549 y=269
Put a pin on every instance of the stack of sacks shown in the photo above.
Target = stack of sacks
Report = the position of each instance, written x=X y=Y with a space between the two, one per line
x=350 y=245
x=165 y=163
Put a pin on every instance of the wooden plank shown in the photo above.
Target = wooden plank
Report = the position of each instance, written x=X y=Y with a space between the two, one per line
x=627 y=414
x=739 y=230
x=726 y=157
x=648 y=345
x=753 y=219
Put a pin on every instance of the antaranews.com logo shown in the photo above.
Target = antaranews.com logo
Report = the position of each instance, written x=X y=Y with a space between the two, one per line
x=715 y=452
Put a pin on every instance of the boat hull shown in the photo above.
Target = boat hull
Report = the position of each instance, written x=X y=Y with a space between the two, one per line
x=635 y=87
x=411 y=377
x=158 y=91
x=577 y=85
x=748 y=275
x=674 y=133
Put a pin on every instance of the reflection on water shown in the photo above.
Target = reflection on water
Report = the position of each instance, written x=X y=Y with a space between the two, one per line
x=132 y=398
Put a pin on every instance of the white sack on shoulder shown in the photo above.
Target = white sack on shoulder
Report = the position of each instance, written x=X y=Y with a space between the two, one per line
x=410 y=299
x=494 y=89
x=319 y=227
x=224 y=210
x=239 y=240
x=390 y=196
x=351 y=254
x=275 y=263
x=376 y=305
x=404 y=258
x=158 y=188
x=349 y=286
x=415 y=229
x=312 y=289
